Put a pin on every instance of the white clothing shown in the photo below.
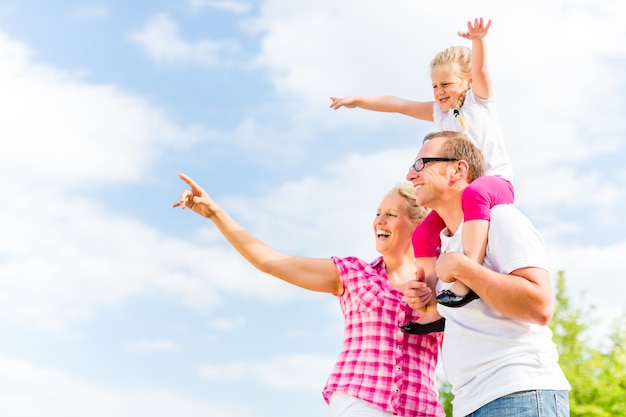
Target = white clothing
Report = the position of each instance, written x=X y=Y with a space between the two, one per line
x=486 y=355
x=344 y=405
x=483 y=128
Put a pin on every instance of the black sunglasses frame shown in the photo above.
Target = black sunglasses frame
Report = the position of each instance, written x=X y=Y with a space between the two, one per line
x=420 y=163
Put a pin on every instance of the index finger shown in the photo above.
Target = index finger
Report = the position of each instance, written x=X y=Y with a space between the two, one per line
x=191 y=183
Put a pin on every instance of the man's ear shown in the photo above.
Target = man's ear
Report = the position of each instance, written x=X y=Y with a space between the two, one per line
x=462 y=170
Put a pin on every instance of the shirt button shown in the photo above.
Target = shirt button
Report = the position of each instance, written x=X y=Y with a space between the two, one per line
x=398 y=368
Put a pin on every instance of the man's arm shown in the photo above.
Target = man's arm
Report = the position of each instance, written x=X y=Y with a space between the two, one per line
x=525 y=294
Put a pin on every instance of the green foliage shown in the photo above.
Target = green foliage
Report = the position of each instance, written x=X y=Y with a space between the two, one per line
x=597 y=376
x=445 y=396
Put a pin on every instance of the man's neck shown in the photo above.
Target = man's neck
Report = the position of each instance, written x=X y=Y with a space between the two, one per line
x=452 y=216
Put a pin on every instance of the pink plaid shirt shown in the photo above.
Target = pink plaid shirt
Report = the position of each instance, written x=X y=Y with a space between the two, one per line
x=379 y=363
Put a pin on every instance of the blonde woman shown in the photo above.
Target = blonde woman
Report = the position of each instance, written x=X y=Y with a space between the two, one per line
x=381 y=369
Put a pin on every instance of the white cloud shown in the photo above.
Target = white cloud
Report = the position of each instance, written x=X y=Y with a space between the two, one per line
x=224 y=324
x=30 y=391
x=293 y=372
x=592 y=277
x=65 y=255
x=163 y=43
x=70 y=132
x=232 y=6
x=64 y=265
x=148 y=346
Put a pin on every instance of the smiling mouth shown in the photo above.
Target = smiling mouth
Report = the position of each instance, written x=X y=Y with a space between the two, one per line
x=382 y=233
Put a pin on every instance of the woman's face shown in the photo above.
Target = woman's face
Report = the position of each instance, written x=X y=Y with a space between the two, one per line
x=448 y=87
x=392 y=226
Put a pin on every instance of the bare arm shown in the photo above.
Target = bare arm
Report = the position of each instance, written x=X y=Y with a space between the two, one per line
x=317 y=274
x=525 y=294
x=481 y=81
x=422 y=110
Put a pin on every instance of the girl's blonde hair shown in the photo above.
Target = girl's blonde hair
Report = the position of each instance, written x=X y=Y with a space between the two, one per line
x=462 y=55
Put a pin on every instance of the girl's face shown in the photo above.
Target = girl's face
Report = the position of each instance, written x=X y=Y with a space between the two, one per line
x=448 y=86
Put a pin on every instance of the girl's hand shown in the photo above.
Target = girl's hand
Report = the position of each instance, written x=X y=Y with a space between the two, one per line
x=476 y=31
x=347 y=102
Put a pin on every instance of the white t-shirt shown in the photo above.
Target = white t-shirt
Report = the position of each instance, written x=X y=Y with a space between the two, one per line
x=486 y=355
x=483 y=128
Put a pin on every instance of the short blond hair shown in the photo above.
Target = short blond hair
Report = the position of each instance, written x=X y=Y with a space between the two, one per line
x=405 y=190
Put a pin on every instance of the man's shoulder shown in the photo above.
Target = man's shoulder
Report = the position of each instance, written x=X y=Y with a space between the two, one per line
x=514 y=242
x=503 y=212
x=507 y=219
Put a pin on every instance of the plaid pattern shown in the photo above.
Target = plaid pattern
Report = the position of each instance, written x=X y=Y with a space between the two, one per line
x=379 y=363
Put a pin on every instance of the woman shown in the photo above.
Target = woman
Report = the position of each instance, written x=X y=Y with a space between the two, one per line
x=381 y=370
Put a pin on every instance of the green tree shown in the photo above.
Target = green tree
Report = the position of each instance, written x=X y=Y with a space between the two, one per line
x=597 y=375
x=445 y=396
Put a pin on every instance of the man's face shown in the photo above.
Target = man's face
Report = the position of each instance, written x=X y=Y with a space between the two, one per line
x=429 y=181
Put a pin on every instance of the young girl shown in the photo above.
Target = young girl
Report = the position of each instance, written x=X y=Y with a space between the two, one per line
x=463 y=102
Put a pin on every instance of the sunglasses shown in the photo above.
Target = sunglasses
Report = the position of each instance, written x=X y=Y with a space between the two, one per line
x=420 y=163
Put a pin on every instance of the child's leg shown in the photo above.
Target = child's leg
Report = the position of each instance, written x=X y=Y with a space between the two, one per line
x=478 y=199
x=474 y=246
x=475 y=239
x=476 y=212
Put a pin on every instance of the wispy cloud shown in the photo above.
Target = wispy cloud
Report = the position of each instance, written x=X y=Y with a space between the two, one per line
x=60 y=264
x=232 y=6
x=147 y=346
x=29 y=390
x=162 y=42
x=293 y=372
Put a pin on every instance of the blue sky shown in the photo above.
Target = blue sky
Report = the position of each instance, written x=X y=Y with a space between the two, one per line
x=113 y=303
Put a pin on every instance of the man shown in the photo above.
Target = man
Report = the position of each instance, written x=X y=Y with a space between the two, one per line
x=497 y=352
